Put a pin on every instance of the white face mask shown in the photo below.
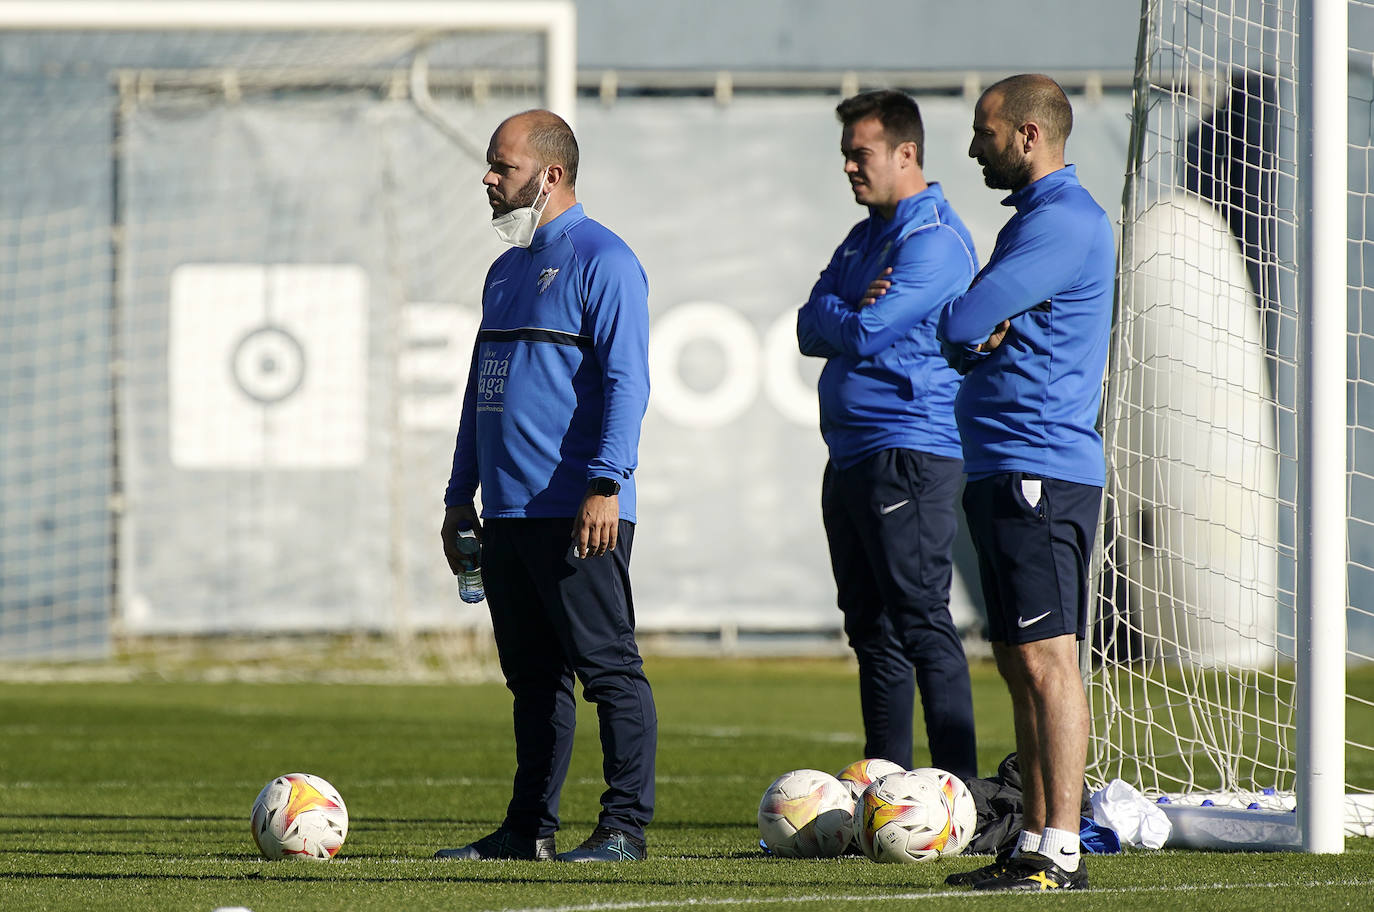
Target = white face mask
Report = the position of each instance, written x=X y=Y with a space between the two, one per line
x=517 y=226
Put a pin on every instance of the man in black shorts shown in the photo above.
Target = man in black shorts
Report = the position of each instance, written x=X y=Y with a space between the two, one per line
x=1030 y=337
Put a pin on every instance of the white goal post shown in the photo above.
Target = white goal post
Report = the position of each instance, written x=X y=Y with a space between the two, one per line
x=1321 y=631
x=1237 y=538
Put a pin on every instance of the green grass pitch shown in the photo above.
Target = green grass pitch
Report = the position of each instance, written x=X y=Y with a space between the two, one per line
x=135 y=796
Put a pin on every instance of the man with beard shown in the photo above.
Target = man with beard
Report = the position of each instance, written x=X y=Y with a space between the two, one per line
x=1030 y=338
x=886 y=408
x=556 y=392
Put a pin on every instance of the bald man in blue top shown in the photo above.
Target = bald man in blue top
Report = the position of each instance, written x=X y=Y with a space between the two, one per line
x=556 y=392
x=1030 y=337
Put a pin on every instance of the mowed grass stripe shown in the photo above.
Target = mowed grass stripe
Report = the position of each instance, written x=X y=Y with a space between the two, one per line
x=122 y=796
x=878 y=898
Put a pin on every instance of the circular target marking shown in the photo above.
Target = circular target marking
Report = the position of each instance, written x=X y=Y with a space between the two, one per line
x=268 y=364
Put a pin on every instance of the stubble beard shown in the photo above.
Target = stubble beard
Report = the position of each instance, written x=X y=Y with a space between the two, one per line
x=1005 y=170
x=523 y=197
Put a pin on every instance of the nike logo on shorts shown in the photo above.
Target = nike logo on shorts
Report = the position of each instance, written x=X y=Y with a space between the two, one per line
x=1024 y=623
x=889 y=508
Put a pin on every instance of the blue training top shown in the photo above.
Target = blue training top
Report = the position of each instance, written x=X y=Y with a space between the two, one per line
x=1031 y=404
x=885 y=384
x=559 y=380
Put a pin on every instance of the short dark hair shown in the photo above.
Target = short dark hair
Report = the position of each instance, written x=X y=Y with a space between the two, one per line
x=553 y=143
x=1032 y=97
x=896 y=111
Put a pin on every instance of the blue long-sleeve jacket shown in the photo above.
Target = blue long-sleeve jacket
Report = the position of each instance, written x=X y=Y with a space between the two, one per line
x=559 y=380
x=1031 y=404
x=885 y=384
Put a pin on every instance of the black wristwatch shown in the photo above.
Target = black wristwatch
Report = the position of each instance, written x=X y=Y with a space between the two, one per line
x=606 y=487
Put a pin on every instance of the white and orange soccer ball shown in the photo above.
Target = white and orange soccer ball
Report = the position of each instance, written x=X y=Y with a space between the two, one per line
x=806 y=814
x=860 y=774
x=916 y=816
x=963 y=810
x=299 y=816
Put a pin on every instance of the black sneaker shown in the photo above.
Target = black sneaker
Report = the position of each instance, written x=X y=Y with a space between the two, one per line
x=986 y=872
x=503 y=844
x=1033 y=871
x=607 y=844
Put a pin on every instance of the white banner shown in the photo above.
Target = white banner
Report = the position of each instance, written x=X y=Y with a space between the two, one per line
x=268 y=366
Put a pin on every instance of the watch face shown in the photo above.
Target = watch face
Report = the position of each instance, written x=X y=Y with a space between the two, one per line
x=605 y=486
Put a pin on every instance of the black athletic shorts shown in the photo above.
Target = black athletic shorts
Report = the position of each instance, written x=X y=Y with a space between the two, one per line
x=1034 y=538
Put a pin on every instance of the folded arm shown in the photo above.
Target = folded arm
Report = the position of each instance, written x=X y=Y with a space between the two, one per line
x=1044 y=259
x=926 y=270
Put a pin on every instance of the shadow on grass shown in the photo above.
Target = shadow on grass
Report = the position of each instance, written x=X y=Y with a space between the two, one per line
x=171 y=819
x=493 y=877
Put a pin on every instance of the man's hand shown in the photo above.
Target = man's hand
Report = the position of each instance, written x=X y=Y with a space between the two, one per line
x=456 y=518
x=596 y=525
x=877 y=288
x=996 y=338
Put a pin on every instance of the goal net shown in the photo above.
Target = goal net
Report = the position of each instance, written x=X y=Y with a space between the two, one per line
x=240 y=252
x=1192 y=678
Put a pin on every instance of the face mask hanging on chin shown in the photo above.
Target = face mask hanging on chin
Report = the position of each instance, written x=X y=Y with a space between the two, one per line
x=517 y=226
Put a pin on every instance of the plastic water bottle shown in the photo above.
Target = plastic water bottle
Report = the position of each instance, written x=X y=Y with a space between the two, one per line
x=470 y=588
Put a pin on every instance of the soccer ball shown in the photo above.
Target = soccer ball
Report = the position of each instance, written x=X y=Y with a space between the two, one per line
x=806 y=814
x=963 y=809
x=917 y=816
x=860 y=774
x=299 y=816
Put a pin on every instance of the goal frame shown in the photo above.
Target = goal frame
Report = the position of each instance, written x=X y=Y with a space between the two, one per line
x=551 y=24
x=1311 y=67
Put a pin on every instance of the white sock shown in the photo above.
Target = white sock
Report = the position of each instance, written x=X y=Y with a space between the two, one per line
x=1061 y=846
x=1029 y=842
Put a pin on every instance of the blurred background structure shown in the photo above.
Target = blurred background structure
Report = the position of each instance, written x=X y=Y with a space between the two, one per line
x=240 y=268
x=239 y=273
